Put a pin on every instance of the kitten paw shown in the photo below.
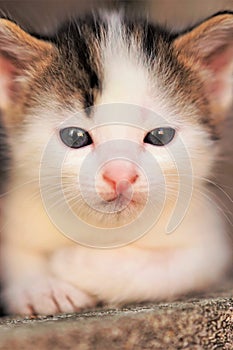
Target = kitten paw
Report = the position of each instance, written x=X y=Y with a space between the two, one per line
x=45 y=296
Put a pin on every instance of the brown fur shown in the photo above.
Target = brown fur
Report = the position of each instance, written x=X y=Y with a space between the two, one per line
x=198 y=51
x=28 y=58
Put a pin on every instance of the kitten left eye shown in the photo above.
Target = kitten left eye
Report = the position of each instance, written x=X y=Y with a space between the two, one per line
x=160 y=136
x=74 y=137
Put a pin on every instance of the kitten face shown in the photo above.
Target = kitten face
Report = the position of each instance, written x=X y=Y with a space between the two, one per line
x=88 y=77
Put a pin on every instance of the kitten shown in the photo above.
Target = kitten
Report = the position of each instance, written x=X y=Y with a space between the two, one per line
x=123 y=118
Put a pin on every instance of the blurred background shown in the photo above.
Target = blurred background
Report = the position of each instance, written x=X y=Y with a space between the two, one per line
x=43 y=17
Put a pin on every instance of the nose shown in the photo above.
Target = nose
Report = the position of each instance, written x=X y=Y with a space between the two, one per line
x=119 y=174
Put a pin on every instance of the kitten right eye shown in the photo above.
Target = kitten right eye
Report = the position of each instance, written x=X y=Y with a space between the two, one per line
x=74 y=137
x=160 y=136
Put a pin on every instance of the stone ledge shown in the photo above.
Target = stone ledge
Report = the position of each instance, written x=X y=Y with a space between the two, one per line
x=205 y=322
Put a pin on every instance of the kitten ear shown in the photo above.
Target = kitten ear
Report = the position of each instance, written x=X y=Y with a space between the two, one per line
x=19 y=54
x=208 y=48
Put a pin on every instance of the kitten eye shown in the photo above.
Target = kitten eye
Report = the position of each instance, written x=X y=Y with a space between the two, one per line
x=160 y=136
x=75 y=137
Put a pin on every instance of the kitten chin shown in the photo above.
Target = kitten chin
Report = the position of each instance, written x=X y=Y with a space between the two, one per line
x=115 y=122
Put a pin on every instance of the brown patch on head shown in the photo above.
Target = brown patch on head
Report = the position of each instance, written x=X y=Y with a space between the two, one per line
x=80 y=60
x=183 y=88
x=22 y=57
x=70 y=71
x=178 y=82
x=207 y=50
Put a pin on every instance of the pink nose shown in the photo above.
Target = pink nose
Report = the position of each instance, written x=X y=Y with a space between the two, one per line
x=119 y=174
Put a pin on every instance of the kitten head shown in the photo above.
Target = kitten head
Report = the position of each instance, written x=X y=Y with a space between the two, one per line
x=124 y=104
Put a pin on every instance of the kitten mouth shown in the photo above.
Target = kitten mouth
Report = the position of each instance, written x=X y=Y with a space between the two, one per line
x=123 y=193
x=116 y=198
x=115 y=211
x=120 y=198
x=110 y=200
x=120 y=203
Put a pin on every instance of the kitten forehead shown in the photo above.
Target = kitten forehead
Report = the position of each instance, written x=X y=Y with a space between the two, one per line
x=107 y=51
x=124 y=80
x=109 y=59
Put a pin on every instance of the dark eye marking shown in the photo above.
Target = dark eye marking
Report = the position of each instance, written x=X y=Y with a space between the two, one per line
x=74 y=137
x=160 y=136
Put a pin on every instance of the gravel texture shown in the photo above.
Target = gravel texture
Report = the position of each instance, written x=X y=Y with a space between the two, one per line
x=201 y=322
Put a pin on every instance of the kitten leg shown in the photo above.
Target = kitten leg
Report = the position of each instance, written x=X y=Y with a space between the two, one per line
x=130 y=274
x=29 y=288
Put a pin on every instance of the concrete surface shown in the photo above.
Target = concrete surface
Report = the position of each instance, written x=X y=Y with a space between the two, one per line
x=201 y=322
